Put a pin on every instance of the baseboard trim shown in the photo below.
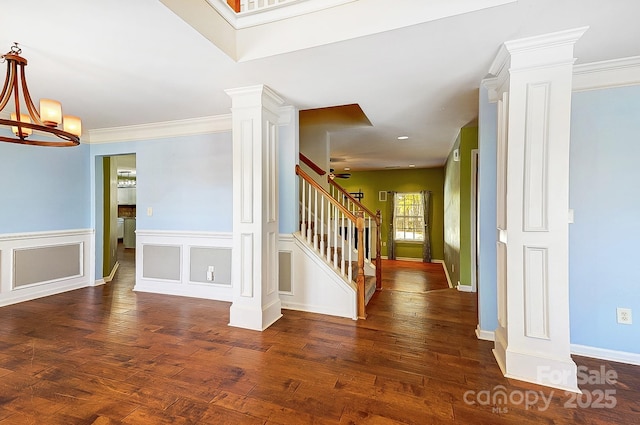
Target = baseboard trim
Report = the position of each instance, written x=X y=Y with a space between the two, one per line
x=464 y=288
x=109 y=278
x=44 y=291
x=415 y=260
x=485 y=335
x=606 y=354
x=309 y=308
x=446 y=272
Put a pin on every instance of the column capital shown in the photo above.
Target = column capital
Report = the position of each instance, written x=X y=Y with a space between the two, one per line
x=252 y=96
x=532 y=52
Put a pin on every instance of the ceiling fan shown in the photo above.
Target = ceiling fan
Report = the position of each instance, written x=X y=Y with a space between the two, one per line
x=339 y=175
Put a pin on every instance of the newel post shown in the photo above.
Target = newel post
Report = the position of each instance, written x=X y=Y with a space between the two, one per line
x=360 y=276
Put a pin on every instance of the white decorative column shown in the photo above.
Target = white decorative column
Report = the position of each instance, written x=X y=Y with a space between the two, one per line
x=533 y=90
x=254 y=264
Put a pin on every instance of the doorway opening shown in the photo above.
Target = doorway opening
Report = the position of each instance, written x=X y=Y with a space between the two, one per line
x=117 y=211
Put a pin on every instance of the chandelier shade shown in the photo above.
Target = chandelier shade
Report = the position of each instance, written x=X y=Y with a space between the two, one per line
x=25 y=119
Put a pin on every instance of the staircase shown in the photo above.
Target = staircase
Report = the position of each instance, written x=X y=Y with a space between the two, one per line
x=343 y=234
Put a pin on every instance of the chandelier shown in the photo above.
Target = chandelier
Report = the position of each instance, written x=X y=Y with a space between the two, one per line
x=46 y=120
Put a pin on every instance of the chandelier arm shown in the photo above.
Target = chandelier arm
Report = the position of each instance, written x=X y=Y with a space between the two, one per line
x=72 y=139
x=8 y=87
x=33 y=111
x=11 y=88
x=38 y=142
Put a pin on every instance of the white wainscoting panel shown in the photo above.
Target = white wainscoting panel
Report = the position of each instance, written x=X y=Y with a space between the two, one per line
x=183 y=285
x=38 y=283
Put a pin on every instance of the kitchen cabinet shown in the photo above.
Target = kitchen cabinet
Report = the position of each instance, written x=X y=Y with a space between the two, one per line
x=129 y=240
x=126 y=196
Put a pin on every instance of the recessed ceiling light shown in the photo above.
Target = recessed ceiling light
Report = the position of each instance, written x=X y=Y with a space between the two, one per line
x=347 y=169
x=403 y=137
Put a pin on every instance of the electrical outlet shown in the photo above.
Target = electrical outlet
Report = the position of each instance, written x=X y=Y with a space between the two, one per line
x=624 y=315
x=210 y=272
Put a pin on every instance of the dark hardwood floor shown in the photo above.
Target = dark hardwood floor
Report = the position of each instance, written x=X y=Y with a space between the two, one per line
x=107 y=355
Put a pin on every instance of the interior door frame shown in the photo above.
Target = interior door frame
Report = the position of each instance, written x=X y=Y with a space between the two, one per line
x=474 y=220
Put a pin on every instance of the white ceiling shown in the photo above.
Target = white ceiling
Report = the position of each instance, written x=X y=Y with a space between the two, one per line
x=123 y=62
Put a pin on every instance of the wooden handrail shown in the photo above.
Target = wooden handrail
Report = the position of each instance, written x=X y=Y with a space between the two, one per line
x=315 y=184
x=235 y=5
x=319 y=171
x=354 y=200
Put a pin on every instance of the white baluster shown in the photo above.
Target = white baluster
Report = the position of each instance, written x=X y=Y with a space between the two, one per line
x=342 y=217
x=321 y=226
x=350 y=248
x=329 y=227
x=369 y=231
x=309 y=200
x=336 y=216
x=315 y=221
x=302 y=208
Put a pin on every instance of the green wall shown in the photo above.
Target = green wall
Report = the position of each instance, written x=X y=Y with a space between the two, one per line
x=452 y=215
x=458 y=206
x=413 y=180
x=110 y=191
x=468 y=142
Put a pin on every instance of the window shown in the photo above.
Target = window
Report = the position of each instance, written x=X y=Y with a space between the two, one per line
x=408 y=217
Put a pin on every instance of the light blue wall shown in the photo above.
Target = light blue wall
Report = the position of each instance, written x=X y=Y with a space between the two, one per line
x=288 y=180
x=487 y=275
x=604 y=239
x=44 y=188
x=187 y=181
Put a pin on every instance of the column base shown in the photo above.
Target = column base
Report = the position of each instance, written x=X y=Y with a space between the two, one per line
x=500 y=349
x=257 y=319
x=561 y=373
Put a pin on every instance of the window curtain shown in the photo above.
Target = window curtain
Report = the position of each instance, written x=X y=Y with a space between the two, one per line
x=391 y=240
x=426 y=246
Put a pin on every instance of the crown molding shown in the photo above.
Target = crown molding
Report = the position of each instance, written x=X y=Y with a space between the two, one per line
x=491 y=84
x=607 y=74
x=287 y=114
x=187 y=127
